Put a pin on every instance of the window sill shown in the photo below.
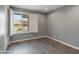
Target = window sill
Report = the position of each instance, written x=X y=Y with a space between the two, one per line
x=22 y=32
x=28 y=32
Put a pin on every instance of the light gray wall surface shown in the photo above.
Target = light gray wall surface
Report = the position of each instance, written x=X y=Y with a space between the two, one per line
x=2 y=44
x=2 y=18
x=63 y=24
x=41 y=27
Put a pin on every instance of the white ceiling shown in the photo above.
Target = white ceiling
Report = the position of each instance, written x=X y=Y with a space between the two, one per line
x=39 y=8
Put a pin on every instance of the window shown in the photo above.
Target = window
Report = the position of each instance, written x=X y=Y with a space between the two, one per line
x=20 y=23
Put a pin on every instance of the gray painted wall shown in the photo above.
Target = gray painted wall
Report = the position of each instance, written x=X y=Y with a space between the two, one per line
x=2 y=44
x=2 y=18
x=41 y=27
x=63 y=24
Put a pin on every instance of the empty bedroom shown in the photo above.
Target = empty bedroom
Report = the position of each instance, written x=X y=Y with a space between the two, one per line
x=39 y=29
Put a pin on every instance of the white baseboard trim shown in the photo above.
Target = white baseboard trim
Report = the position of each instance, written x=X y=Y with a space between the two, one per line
x=27 y=39
x=67 y=44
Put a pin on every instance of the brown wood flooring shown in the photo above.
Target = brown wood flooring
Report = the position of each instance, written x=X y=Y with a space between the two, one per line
x=40 y=46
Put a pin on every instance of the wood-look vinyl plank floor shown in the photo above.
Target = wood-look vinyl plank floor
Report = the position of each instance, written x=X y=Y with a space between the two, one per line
x=40 y=46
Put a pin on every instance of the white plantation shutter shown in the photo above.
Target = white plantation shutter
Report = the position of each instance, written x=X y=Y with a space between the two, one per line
x=33 y=23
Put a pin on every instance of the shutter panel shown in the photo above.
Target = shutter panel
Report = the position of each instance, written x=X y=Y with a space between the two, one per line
x=33 y=23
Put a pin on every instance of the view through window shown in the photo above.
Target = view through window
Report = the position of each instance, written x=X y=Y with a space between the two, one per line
x=21 y=23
